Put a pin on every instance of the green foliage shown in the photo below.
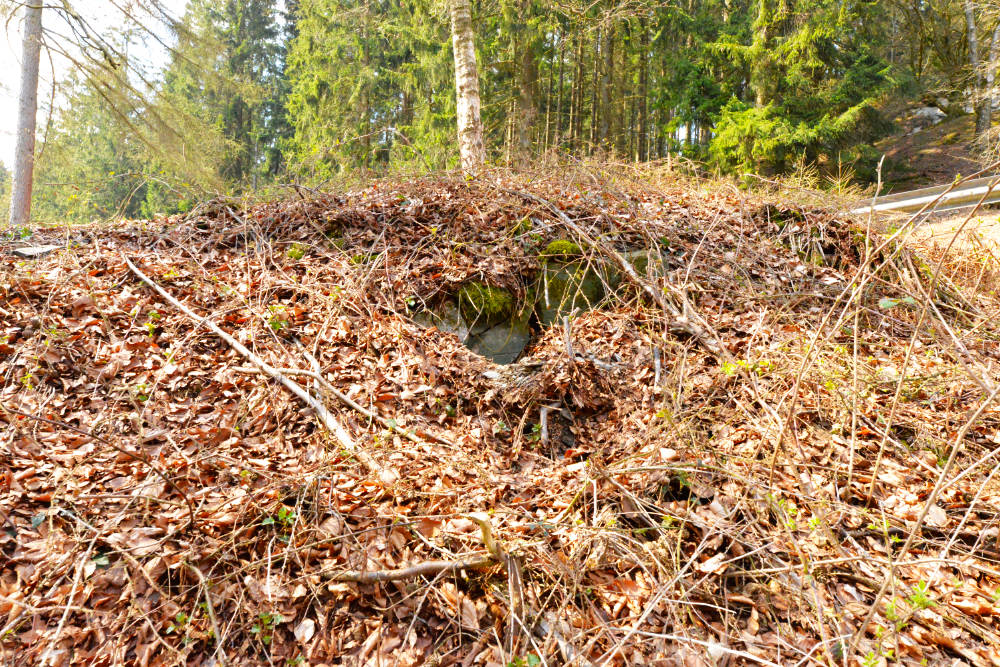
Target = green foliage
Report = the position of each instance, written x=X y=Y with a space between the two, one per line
x=561 y=249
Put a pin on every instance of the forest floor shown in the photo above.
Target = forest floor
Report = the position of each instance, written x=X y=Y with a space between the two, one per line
x=777 y=450
x=919 y=155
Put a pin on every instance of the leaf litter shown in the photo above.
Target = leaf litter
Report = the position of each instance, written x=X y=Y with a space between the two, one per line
x=792 y=462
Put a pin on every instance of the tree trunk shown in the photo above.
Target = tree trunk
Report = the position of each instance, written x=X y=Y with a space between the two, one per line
x=548 y=103
x=980 y=99
x=991 y=70
x=24 y=156
x=607 y=76
x=467 y=105
x=557 y=138
x=576 y=103
x=643 y=92
x=593 y=89
x=527 y=84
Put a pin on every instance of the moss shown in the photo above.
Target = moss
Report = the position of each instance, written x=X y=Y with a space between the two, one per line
x=483 y=304
x=562 y=249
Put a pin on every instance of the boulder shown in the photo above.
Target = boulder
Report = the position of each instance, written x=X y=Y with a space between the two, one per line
x=931 y=115
x=483 y=306
x=564 y=287
x=504 y=342
x=447 y=318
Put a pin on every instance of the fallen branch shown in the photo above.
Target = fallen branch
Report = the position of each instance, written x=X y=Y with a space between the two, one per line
x=431 y=567
x=386 y=475
x=387 y=423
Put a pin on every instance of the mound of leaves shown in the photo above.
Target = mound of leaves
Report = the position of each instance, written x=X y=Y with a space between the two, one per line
x=777 y=448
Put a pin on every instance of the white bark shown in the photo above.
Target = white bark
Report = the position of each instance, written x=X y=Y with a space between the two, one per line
x=24 y=156
x=470 y=125
x=991 y=70
x=981 y=101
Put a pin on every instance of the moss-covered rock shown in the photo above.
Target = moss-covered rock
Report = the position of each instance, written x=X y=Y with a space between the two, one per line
x=561 y=250
x=562 y=288
x=446 y=318
x=504 y=343
x=484 y=306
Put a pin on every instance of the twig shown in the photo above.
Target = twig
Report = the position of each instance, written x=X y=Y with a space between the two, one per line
x=219 y=651
x=419 y=570
x=388 y=423
x=386 y=475
x=567 y=331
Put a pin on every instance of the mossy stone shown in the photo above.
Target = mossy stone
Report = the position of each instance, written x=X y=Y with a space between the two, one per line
x=446 y=318
x=504 y=343
x=561 y=249
x=484 y=306
x=563 y=288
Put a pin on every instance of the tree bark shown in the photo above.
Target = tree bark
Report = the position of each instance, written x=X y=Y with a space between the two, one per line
x=991 y=70
x=548 y=100
x=643 y=92
x=467 y=104
x=24 y=156
x=980 y=100
x=558 y=136
x=527 y=101
x=593 y=90
x=607 y=75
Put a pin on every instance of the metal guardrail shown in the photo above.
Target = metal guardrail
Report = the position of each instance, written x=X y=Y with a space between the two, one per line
x=967 y=194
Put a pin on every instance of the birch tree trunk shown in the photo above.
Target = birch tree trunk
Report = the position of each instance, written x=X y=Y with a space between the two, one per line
x=991 y=69
x=467 y=105
x=981 y=100
x=24 y=157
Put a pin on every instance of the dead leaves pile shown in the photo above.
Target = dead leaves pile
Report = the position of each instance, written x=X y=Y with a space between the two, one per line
x=161 y=505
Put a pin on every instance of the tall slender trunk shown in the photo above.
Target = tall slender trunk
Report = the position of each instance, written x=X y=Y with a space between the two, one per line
x=981 y=100
x=548 y=104
x=527 y=101
x=27 y=109
x=594 y=113
x=991 y=70
x=606 y=78
x=557 y=139
x=643 y=92
x=467 y=104
x=576 y=99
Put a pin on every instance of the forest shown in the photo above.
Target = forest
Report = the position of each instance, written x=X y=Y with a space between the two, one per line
x=258 y=93
x=500 y=333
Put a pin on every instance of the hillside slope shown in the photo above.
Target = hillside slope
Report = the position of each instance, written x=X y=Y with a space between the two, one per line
x=771 y=444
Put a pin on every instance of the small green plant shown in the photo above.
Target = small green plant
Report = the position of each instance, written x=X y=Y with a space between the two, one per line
x=920 y=598
x=296 y=251
x=535 y=434
x=277 y=322
x=285 y=517
x=180 y=621
x=151 y=321
x=530 y=660
x=264 y=627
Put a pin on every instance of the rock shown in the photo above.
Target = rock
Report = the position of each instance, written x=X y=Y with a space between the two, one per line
x=933 y=115
x=504 y=342
x=34 y=252
x=483 y=306
x=563 y=287
x=447 y=318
